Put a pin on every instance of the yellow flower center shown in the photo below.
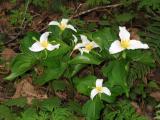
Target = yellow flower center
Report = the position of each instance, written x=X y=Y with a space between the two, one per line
x=89 y=46
x=62 y=26
x=125 y=43
x=99 y=89
x=44 y=44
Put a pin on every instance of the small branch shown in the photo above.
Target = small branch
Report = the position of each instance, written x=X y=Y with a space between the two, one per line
x=25 y=12
x=93 y=9
x=11 y=39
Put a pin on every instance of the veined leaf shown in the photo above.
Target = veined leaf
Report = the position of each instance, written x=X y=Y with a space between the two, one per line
x=117 y=74
x=84 y=85
x=20 y=65
x=104 y=37
x=85 y=59
x=92 y=108
x=50 y=73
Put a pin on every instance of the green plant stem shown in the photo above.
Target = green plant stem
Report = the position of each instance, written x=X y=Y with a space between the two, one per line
x=46 y=55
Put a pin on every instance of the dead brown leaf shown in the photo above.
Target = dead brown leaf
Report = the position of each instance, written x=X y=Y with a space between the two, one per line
x=25 y=88
x=62 y=95
x=155 y=95
x=137 y=107
x=6 y=6
x=134 y=33
x=8 y=54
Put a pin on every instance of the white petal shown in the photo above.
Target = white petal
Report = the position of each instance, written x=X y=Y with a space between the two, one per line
x=124 y=34
x=54 y=23
x=136 y=44
x=64 y=21
x=84 y=39
x=75 y=39
x=71 y=27
x=81 y=51
x=79 y=45
x=52 y=47
x=93 y=93
x=95 y=45
x=115 y=47
x=44 y=36
x=99 y=82
x=106 y=91
x=36 y=47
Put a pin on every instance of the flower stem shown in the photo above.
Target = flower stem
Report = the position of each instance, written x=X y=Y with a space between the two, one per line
x=46 y=55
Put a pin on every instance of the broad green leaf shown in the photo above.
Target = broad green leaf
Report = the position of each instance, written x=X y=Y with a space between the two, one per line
x=50 y=73
x=124 y=17
x=75 y=107
x=20 y=102
x=20 y=65
x=66 y=36
x=86 y=59
x=104 y=38
x=117 y=74
x=55 y=62
x=85 y=85
x=62 y=50
x=74 y=69
x=139 y=56
x=115 y=91
x=59 y=85
x=92 y=108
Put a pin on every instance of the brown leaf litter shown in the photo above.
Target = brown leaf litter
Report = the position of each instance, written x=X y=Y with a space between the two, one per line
x=156 y=95
x=8 y=54
x=25 y=88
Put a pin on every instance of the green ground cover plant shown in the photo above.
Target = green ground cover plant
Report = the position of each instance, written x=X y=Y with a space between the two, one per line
x=102 y=64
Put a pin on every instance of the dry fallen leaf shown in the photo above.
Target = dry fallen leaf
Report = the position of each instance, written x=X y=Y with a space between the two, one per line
x=155 y=95
x=25 y=88
x=6 y=6
x=62 y=95
x=134 y=34
x=137 y=107
x=8 y=54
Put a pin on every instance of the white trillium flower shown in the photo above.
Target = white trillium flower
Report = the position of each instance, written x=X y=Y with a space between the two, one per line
x=43 y=44
x=99 y=89
x=63 y=24
x=86 y=45
x=125 y=42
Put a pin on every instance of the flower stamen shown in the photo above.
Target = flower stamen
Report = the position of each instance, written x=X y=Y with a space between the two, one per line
x=99 y=89
x=89 y=46
x=44 y=44
x=62 y=26
x=125 y=43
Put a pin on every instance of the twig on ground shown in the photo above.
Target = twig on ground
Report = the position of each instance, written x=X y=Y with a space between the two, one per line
x=25 y=12
x=93 y=9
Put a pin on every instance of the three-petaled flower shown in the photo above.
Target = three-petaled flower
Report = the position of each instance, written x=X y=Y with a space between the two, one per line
x=86 y=45
x=43 y=44
x=63 y=24
x=99 y=89
x=125 y=42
